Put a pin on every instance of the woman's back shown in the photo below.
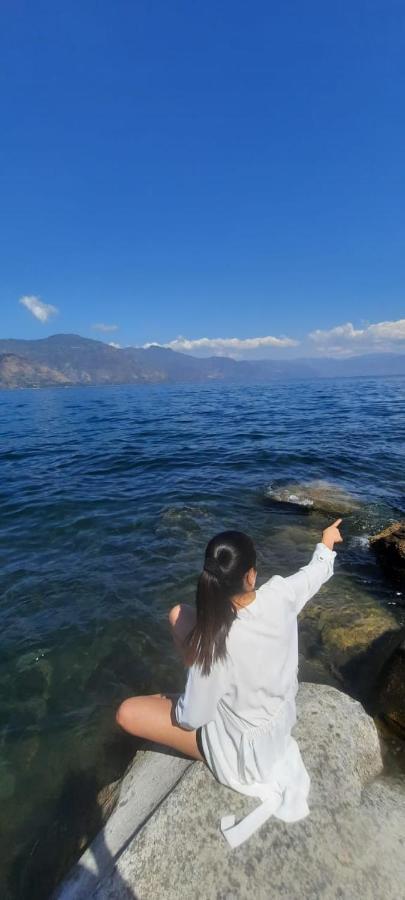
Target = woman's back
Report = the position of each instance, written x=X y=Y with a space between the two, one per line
x=263 y=655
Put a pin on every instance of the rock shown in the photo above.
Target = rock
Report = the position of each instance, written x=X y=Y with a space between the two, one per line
x=184 y=520
x=316 y=672
x=328 y=721
x=314 y=495
x=30 y=683
x=389 y=547
x=107 y=798
x=357 y=641
x=390 y=691
x=350 y=845
x=144 y=786
x=7 y=783
x=119 y=668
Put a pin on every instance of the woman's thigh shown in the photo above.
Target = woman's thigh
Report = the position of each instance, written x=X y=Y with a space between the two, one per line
x=152 y=717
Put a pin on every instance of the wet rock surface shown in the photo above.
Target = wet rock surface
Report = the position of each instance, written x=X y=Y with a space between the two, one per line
x=321 y=496
x=389 y=547
x=361 y=645
x=390 y=691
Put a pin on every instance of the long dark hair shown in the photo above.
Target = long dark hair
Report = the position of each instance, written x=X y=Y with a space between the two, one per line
x=228 y=556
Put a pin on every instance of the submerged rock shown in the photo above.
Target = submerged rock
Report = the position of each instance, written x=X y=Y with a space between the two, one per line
x=357 y=641
x=314 y=495
x=118 y=673
x=186 y=520
x=389 y=547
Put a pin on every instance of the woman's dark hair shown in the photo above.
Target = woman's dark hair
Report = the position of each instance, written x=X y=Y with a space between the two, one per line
x=228 y=556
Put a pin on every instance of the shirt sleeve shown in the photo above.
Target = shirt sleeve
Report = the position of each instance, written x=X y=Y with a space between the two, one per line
x=307 y=581
x=198 y=704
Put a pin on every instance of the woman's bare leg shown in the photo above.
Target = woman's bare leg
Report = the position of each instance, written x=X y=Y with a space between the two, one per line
x=152 y=717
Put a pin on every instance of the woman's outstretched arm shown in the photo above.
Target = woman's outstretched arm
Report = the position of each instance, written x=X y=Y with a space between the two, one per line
x=305 y=583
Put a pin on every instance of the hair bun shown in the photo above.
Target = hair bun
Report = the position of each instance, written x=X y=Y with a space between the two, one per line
x=212 y=566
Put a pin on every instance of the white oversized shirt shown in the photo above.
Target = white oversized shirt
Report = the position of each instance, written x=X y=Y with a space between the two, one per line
x=246 y=705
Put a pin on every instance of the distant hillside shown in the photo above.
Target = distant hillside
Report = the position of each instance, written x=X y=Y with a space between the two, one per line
x=70 y=359
x=368 y=364
x=84 y=361
x=15 y=371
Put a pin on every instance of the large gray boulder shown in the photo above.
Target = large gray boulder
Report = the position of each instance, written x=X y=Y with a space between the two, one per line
x=350 y=846
x=339 y=744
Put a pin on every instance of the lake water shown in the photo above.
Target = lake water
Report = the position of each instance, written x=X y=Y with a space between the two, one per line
x=108 y=498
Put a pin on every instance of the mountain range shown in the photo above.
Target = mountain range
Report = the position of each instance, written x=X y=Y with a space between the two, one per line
x=69 y=359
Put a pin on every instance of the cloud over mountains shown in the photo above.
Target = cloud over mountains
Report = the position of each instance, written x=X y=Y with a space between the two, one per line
x=227 y=346
x=339 y=341
x=347 y=340
x=41 y=311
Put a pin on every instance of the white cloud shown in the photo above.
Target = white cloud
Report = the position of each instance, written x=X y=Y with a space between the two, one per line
x=228 y=346
x=101 y=326
x=113 y=344
x=346 y=339
x=40 y=310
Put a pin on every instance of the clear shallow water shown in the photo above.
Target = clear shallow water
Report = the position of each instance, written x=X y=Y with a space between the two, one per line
x=108 y=497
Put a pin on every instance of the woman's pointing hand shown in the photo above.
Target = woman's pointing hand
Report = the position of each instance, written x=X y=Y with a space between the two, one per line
x=331 y=535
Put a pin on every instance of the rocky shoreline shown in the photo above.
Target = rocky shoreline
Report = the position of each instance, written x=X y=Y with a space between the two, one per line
x=364 y=645
x=351 y=844
x=356 y=656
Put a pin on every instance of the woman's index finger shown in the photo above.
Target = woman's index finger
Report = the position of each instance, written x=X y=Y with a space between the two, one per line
x=338 y=521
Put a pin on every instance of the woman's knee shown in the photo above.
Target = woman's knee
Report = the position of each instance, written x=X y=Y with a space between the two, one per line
x=125 y=715
x=120 y=714
x=182 y=618
x=173 y=614
x=136 y=713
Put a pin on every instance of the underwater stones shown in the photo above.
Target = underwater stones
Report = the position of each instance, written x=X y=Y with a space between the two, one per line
x=357 y=640
x=318 y=495
x=389 y=547
x=33 y=673
x=30 y=683
x=7 y=781
x=28 y=715
x=119 y=671
x=184 y=520
x=24 y=753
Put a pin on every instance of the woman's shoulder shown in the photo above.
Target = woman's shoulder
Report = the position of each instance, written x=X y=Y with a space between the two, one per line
x=273 y=584
x=265 y=598
x=273 y=596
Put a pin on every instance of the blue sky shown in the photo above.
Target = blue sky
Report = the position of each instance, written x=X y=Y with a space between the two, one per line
x=210 y=170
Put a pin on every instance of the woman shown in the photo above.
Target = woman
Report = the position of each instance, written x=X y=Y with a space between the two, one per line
x=238 y=707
